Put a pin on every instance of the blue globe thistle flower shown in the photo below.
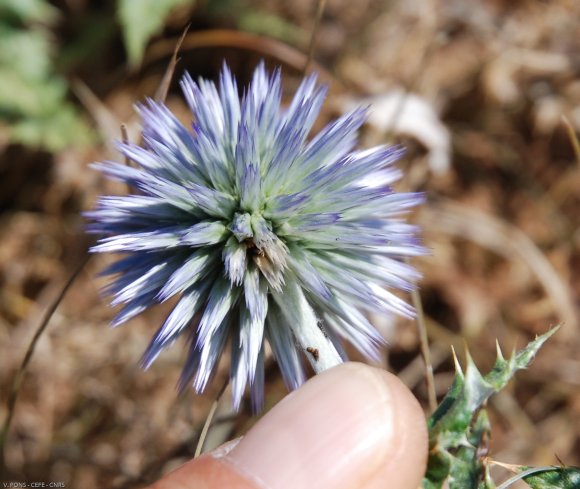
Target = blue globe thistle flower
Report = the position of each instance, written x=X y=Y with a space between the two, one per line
x=260 y=232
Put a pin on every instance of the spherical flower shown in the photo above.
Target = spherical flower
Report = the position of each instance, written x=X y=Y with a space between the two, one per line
x=262 y=233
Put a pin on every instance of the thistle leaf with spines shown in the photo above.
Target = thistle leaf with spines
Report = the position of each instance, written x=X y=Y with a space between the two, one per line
x=458 y=429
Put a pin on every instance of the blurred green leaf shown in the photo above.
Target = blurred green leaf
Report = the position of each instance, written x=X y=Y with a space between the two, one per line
x=26 y=51
x=52 y=132
x=33 y=106
x=555 y=478
x=551 y=477
x=142 y=19
x=27 y=11
x=23 y=96
x=459 y=427
x=270 y=25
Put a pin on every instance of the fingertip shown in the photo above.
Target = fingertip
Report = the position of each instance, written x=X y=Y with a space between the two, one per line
x=353 y=426
x=345 y=428
x=406 y=462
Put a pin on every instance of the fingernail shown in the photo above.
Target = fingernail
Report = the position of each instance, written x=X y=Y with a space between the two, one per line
x=333 y=432
x=226 y=448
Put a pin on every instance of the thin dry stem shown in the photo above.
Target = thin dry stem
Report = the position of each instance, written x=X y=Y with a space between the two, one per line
x=414 y=372
x=125 y=139
x=424 y=340
x=163 y=89
x=573 y=138
x=21 y=372
x=311 y=46
x=104 y=118
x=209 y=419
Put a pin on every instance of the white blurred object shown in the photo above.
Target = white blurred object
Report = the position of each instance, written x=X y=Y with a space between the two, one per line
x=385 y=324
x=406 y=113
x=547 y=113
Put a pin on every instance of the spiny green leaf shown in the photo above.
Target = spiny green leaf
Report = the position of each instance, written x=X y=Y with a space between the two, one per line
x=503 y=370
x=142 y=19
x=469 y=391
x=459 y=428
x=448 y=405
x=468 y=469
x=438 y=468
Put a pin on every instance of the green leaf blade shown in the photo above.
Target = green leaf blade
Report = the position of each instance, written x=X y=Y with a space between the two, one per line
x=555 y=478
x=141 y=20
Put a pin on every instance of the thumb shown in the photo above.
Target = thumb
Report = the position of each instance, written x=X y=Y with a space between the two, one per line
x=351 y=427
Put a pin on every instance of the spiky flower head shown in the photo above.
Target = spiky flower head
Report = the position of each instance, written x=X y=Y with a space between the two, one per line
x=262 y=233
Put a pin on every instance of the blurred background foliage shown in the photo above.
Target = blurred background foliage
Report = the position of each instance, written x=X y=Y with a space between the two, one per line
x=37 y=66
x=34 y=109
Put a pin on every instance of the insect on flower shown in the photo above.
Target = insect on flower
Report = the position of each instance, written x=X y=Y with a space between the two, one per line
x=263 y=234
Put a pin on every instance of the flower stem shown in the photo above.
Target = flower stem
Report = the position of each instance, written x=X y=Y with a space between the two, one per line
x=315 y=343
